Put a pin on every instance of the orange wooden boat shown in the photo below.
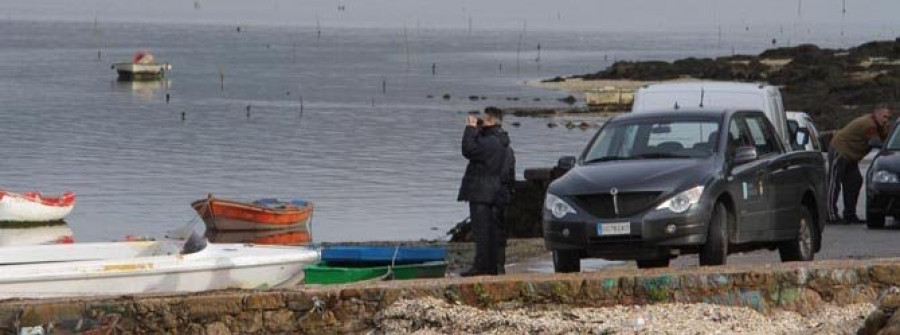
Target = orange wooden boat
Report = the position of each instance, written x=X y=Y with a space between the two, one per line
x=262 y=214
x=299 y=236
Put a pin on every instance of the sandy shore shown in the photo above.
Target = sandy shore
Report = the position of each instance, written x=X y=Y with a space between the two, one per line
x=577 y=85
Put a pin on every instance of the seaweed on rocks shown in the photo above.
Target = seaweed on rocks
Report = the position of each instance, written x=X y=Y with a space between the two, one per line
x=832 y=85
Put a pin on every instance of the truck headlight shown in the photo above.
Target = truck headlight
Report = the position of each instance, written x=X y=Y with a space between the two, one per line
x=557 y=207
x=681 y=202
x=882 y=176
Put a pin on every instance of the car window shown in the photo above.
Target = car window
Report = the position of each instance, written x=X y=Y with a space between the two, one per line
x=737 y=135
x=763 y=137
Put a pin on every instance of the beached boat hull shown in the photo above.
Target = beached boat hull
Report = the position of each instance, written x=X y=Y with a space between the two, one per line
x=370 y=255
x=32 y=207
x=227 y=215
x=117 y=268
x=324 y=273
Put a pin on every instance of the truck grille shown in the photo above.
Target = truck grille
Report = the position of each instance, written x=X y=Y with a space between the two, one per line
x=601 y=205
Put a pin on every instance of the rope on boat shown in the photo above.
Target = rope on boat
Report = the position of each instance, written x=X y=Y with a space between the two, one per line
x=390 y=270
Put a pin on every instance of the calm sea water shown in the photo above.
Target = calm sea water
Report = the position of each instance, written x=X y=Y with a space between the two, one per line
x=378 y=165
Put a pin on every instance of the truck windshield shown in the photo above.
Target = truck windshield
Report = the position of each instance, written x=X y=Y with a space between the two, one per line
x=652 y=139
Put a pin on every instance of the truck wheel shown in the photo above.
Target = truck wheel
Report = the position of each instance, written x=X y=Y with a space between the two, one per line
x=715 y=251
x=653 y=263
x=874 y=220
x=565 y=261
x=802 y=247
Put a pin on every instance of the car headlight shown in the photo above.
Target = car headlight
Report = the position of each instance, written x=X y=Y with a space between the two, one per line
x=558 y=207
x=681 y=202
x=883 y=176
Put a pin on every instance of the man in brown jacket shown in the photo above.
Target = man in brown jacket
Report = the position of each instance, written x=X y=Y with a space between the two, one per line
x=848 y=146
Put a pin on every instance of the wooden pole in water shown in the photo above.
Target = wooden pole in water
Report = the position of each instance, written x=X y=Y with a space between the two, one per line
x=96 y=36
x=301 y=106
x=843 y=14
x=519 y=45
x=518 y=51
x=318 y=28
x=248 y=111
x=384 y=86
x=221 y=78
x=406 y=45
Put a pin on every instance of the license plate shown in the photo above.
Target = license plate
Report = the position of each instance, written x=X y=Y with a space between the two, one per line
x=618 y=228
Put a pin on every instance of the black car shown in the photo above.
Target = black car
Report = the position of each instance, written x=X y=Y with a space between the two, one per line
x=883 y=181
x=651 y=186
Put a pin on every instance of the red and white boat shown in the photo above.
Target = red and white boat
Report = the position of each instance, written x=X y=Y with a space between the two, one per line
x=34 y=207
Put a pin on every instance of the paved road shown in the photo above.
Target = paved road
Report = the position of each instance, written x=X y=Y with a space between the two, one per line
x=840 y=242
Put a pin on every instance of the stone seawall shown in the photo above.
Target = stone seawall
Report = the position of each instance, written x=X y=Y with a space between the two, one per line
x=800 y=287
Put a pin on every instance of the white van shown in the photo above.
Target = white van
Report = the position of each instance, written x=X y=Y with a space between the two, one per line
x=716 y=95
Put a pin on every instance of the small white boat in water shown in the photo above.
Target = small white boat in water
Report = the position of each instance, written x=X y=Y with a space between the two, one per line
x=143 y=66
x=117 y=268
x=34 y=207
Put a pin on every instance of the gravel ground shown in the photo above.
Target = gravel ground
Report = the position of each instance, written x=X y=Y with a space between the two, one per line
x=432 y=316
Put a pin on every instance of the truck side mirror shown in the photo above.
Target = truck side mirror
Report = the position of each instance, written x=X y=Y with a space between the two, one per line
x=566 y=163
x=802 y=137
x=745 y=154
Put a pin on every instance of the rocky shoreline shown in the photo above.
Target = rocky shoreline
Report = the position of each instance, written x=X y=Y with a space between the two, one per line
x=832 y=85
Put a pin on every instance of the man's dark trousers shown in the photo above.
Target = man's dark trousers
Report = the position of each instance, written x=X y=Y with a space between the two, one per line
x=487 y=236
x=843 y=175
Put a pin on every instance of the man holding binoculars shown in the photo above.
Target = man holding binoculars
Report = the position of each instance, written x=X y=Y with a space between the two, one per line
x=487 y=185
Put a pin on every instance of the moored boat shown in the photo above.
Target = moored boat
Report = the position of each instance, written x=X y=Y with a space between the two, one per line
x=143 y=66
x=115 y=268
x=263 y=214
x=324 y=273
x=34 y=207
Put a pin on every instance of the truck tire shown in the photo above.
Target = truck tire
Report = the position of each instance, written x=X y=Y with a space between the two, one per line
x=874 y=220
x=653 y=263
x=715 y=251
x=802 y=248
x=565 y=261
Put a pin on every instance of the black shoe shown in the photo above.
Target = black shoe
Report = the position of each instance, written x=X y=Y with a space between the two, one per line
x=852 y=219
x=471 y=273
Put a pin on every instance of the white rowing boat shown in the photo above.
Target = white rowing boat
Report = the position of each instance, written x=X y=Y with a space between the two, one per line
x=117 y=268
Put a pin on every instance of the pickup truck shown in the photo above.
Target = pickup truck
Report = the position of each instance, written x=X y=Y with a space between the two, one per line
x=654 y=185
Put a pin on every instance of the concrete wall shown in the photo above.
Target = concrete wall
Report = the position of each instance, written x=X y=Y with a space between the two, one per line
x=800 y=287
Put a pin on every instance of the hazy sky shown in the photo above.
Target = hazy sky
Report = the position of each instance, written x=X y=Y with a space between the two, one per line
x=484 y=14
